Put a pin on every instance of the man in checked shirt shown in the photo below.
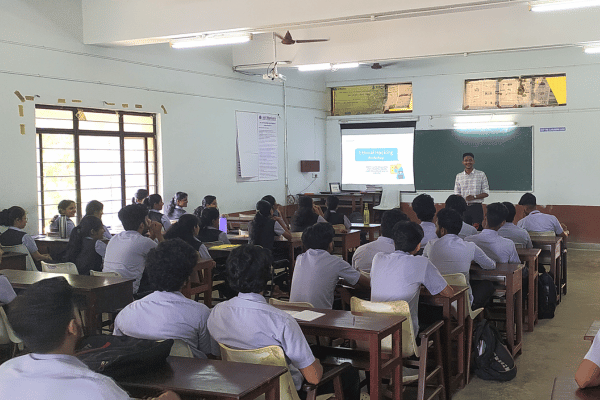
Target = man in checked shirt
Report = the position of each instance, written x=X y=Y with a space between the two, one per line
x=473 y=186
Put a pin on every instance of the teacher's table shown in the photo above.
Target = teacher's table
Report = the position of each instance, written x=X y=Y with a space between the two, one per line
x=553 y=246
x=565 y=388
x=95 y=294
x=13 y=260
x=370 y=229
x=368 y=327
x=352 y=201
x=194 y=378
x=511 y=275
x=530 y=257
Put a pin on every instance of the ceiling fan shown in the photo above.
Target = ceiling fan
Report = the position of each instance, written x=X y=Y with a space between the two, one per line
x=381 y=66
x=287 y=39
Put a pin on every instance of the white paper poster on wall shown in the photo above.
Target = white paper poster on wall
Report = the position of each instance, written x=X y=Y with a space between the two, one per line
x=257 y=155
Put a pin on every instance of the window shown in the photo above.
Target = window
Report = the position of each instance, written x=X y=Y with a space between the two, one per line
x=88 y=154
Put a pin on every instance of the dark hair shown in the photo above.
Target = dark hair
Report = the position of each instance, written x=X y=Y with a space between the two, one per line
x=318 y=236
x=248 y=268
x=152 y=200
x=496 y=214
x=270 y=199
x=207 y=216
x=262 y=216
x=93 y=207
x=132 y=216
x=141 y=194
x=407 y=235
x=456 y=203
x=332 y=205
x=389 y=219
x=170 y=264
x=424 y=207
x=63 y=205
x=178 y=197
x=304 y=216
x=450 y=220
x=41 y=314
x=528 y=199
x=512 y=211
x=184 y=229
x=8 y=216
x=88 y=224
x=208 y=200
x=468 y=154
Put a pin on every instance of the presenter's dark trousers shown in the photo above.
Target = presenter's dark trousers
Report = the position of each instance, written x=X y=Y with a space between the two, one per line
x=474 y=214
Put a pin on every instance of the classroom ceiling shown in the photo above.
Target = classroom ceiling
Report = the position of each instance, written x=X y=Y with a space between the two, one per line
x=358 y=30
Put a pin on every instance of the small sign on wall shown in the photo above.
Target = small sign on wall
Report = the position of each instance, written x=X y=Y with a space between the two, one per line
x=555 y=129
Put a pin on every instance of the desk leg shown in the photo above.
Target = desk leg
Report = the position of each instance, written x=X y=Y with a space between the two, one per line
x=461 y=310
x=208 y=278
x=375 y=365
x=272 y=392
x=519 y=321
x=447 y=349
x=564 y=268
x=532 y=294
x=91 y=314
x=397 y=373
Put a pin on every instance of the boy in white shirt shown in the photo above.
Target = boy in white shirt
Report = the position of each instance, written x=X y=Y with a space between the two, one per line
x=536 y=221
x=588 y=373
x=424 y=207
x=459 y=204
x=513 y=232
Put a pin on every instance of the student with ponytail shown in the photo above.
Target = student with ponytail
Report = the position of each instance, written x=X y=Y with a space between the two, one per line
x=264 y=227
x=186 y=228
x=16 y=220
x=67 y=208
x=307 y=214
x=209 y=201
x=175 y=209
x=96 y=209
x=86 y=248
x=155 y=204
x=209 y=225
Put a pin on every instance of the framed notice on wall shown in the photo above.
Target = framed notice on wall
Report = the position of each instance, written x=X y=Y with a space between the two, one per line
x=257 y=154
x=371 y=99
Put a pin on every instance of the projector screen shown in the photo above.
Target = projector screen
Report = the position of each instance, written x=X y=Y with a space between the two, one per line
x=376 y=154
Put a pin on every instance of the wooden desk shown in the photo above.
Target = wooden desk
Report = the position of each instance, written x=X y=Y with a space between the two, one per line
x=13 y=260
x=51 y=245
x=530 y=257
x=200 y=282
x=552 y=245
x=565 y=388
x=216 y=252
x=592 y=331
x=280 y=241
x=351 y=201
x=95 y=294
x=193 y=378
x=350 y=241
x=369 y=327
x=450 y=333
x=370 y=229
x=511 y=275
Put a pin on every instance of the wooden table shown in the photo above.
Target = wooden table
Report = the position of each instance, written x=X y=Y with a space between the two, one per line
x=51 y=245
x=565 y=388
x=530 y=257
x=353 y=201
x=200 y=282
x=349 y=241
x=94 y=294
x=14 y=260
x=511 y=275
x=592 y=331
x=553 y=245
x=280 y=241
x=368 y=327
x=370 y=229
x=450 y=333
x=193 y=378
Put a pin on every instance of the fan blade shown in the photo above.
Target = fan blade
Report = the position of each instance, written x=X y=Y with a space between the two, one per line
x=312 y=40
x=278 y=35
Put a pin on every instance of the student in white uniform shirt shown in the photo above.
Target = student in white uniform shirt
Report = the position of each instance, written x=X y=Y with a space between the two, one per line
x=459 y=204
x=363 y=256
x=186 y=229
x=209 y=225
x=588 y=373
x=317 y=271
x=510 y=231
x=535 y=221
x=306 y=215
x=166 y=313
x=7 y=293
x=399 y=275
x=450 y=254
x=15 y=218
x=332 y=216
x=496 y=247
x=44 y=317
x=67 y=208
x=155 y=204
x=175 y=209
x=424 y=207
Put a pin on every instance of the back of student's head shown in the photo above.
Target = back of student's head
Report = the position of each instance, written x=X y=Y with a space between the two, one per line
x=496 y=214
x=248 y=268
x=305 y=202
x=318 y=236
x=332 y=203
x=207 y=216
x=528 y=199
x=132 y=216
x=41 y=314
x=140 y=195
x=152 y=200
x=407 y=235
x=170 y=264
x=424 y=207
x=261 y=218
x=94 y=207
x=179 y=196
x=512 y=211
x=389 y=219
x=456 y=203
x=63 y=205
x=270 y=199
x=8 y=216
x=87 y=224
x=450 y=220
x=208 y=200
x=183 y=228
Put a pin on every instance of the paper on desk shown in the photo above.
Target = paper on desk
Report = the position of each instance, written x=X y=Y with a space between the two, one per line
x=307 y=315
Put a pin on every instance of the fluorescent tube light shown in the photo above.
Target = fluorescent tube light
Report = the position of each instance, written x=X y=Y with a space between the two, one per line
x=315 y=67
x=210 y=40
x=345 y=65
x=592 y=49
x=484 y=125
x=562 y=5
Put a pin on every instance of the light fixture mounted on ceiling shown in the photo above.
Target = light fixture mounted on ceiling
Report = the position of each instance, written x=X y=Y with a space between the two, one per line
x=560 y=5
x=211 y=40
x=592 y=49
x=327 y=66
x=484 y=125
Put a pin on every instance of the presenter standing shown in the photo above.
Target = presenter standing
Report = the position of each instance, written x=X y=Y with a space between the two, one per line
x=473 y=186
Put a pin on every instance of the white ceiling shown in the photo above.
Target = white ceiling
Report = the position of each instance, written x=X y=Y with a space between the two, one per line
x=358 y=30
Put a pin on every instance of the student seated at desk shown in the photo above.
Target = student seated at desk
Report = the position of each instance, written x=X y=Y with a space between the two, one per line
x=459 y=204
x=175 y=209
x=186 y=229
x=44 y=317
x=209 y=226
x=140 y=196
x=510 y=231
x=399 y=275
x=451 y=255
x=588 y=373
x=306 y=215
x=424 y=207
x=16 y=220
x=535 y=221
x=68 y=208
x=265 y=227
x=276 y=208
x=332 y=216
x=496 y=247
x=363 y=256
x=7 y=293
x=154 y=203
x=209 y=201
x=126 y=251
x=86 y=248
x=317 y=271
x=96 y=209
x=166 y=313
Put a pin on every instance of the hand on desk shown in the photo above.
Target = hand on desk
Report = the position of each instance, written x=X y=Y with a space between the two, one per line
x=168 y=395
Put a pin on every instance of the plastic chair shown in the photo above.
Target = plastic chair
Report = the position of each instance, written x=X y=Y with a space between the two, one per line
x=273 y=355
x=8 y=336
x=390 y=198
x=108 y=273
x=461 y=280
x=21 y=248
x=60 y=268
x=409 y=346
x=181 y=349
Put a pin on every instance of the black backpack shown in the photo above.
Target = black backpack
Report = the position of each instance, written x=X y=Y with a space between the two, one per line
x=546 y=296
x=490 y=359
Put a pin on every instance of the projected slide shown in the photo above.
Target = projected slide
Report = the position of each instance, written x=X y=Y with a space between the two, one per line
x=382 y=158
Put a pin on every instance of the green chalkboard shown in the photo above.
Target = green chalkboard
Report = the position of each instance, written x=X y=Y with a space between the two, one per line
x=505 y=155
